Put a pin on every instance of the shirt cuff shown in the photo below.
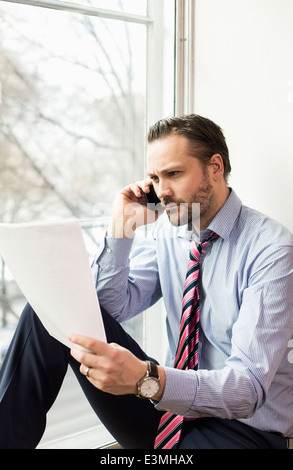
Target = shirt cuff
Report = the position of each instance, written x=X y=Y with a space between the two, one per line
x=179 y=392
x=115 y=251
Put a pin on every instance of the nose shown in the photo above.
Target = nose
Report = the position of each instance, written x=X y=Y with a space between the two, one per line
x=163 y=189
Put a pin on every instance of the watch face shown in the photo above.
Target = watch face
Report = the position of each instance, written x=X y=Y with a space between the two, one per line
x=149 y=387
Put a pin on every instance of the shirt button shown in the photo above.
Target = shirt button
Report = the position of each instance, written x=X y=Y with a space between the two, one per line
x=108 y=250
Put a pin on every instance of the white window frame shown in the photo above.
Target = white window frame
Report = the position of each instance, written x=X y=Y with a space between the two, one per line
x=85 y=9
x=185 y=57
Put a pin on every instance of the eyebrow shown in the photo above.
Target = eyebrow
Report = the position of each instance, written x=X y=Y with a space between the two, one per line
x=166 y=170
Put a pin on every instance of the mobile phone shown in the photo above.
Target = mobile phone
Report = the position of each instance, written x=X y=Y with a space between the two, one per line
x=151 y=197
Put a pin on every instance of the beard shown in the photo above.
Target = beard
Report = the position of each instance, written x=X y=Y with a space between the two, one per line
x=189 y=212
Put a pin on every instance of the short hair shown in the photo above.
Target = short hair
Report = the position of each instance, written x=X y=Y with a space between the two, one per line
x=205 y=137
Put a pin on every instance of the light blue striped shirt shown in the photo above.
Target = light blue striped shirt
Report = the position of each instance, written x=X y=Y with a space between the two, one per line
x=246 y=313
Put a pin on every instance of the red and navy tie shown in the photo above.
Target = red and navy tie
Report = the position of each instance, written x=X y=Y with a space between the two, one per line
x=170 y=426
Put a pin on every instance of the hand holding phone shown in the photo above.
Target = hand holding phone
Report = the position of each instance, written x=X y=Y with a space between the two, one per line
x=133 y=207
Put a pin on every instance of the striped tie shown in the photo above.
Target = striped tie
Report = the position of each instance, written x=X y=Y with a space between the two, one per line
x=170 y=426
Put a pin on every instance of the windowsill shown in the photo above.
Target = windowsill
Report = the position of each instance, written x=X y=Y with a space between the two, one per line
x=94 y=438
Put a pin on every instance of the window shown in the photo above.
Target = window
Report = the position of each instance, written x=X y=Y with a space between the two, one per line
x=80 y=83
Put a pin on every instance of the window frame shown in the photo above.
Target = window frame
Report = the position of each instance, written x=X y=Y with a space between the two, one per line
x=75 y=7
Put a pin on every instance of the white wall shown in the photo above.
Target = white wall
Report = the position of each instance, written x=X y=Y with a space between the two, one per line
x=244 y=82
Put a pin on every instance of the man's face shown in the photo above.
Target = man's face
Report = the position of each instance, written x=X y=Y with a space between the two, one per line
x=179 y=179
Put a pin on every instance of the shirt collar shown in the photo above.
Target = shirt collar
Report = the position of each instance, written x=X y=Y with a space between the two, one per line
x=223 y=222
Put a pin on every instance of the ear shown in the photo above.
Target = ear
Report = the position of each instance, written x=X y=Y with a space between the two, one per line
x=217 y=166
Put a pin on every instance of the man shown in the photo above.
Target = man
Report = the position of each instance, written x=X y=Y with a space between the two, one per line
x=238 y=393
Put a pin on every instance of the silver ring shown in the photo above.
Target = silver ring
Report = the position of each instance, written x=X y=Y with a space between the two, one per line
x=87 y=372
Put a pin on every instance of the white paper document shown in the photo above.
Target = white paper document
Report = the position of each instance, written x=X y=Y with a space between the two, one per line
x=50 y=264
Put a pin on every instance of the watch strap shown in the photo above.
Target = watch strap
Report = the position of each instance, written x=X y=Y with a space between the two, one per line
x=152 y=369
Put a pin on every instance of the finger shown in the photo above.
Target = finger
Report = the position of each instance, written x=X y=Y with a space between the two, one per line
x=85 y=370
x=137 y=189
x=91 y=344
x=147 y=183
x=84 y=358
x=144 y=185
x=140 y=187
x=91 y=348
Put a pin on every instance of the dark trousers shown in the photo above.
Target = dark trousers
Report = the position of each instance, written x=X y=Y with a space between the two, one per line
x=33 y=372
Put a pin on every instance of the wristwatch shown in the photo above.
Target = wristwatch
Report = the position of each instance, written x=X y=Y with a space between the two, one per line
x=149 y=385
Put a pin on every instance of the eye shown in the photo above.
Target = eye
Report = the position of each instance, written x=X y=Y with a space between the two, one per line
x=154 y=178
x=171 y=174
